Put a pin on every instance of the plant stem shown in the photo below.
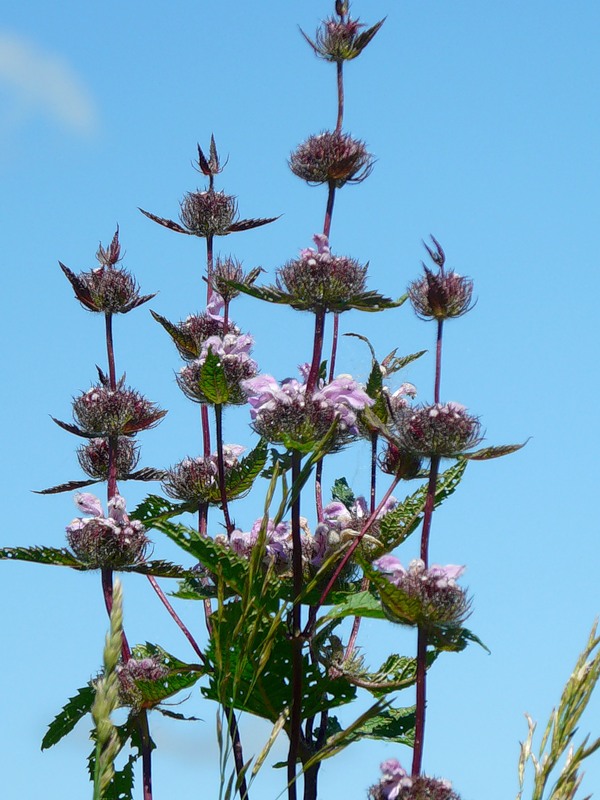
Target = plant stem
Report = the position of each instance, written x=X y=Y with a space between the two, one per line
x=421 y=702
x=221 y=468
x=107 y=591
x=340 y=91
x=296 y=706
x=144 y=731
x=313 y=375
x=110 y=351
x=371 y=519
x=329 y=209
x=182 y=626
x=236 y=744
x=438 y=361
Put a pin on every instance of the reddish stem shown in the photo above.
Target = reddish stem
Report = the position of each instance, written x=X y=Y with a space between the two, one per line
x=340 y=92
x=144 y=731
x=110 y=351
x=371 y=519
x=107 y=591
x=182 y=626
x=296 y=706
x=421 y=702
x=438 y=361
x=313 y=375
x=221 y=468
x=329 y=209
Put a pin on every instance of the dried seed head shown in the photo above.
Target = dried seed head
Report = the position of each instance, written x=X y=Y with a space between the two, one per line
x=196 y=479
x=443 y=430
x=93 y=457
x=104 y=412
x=440 y=295
x=230 y=269
x=111 y=290
x=334 y=158
x=113 y=541
x=208 y=213
x=320 y=281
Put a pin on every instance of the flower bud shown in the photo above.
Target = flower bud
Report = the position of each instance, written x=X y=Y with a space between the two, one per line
x=196 y=479
x=334 y=158
x=341 y=39
x=442 y=295
x=148 y=670
x=94 y=456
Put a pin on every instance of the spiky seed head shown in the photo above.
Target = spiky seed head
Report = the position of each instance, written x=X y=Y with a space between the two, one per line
x=196 y=479
x=208 y=213
x=397 y=784
x=400 y=462
x=440 y=295
x=444 y=430
x=321 y=281
x=105 y=412
x=94 y=457
x=331 y=157
x=341 y=39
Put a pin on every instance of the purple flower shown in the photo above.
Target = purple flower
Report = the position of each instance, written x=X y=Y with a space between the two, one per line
x=396 y=784
x=112 y=541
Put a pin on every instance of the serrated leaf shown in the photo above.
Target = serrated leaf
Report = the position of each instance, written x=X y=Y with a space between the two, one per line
x=360 y=604
x=394 y=725
x=363 y=39
x=213 y=381
x=166 y=223
x=67 y=426
x=398 y=524
x=343 y=493
x=181 y=675
x=158 y=509
x=186 y=344
x=248 y=224
x=145 y=474
x=42 y=555
x=496 y=451
x=159 y=569
x=75 y=709
x=391 y=364
x=242 y=476
x=66 y=487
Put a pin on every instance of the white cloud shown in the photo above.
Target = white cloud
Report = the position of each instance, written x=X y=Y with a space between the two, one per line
x=42 y=82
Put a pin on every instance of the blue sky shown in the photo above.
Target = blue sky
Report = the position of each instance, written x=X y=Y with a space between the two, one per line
x=485 y=124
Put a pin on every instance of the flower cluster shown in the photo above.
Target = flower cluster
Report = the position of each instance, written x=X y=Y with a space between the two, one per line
x=342 y=524
x=397 y=784
x=94 y=457
x=443 y=430
x=331 y=157
x=102 y=411
x=284 y=412
x=148 y=670
x=113 y=541
x=196 y=479
x=107 y=289
x=233 y=357
x=320 y=281
x=429 y=595
x=277 y=543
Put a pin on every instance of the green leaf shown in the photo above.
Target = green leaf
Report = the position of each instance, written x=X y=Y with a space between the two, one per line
x=158 y=509
x=75 y=709
x=181 y=675
x=392 y=364
x=253 y=673
x=343 y=493
x=492 y=452
x=160 y=569
x=397 y=525
x=42 y=555
x=454 y=638
x=242 y=476
x=360 y=604
x=394 y=725
x=184 y=342
x=213 y=381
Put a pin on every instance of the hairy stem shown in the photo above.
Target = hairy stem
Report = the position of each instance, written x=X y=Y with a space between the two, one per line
x=421 y=702
x=329 y=209
x=438 y=361
x=296 y=706
x=180 y=623
x=144 y=731
x=110 y=352
x=340 y=93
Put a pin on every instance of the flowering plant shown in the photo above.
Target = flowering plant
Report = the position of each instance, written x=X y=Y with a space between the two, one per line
x=283 y=596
